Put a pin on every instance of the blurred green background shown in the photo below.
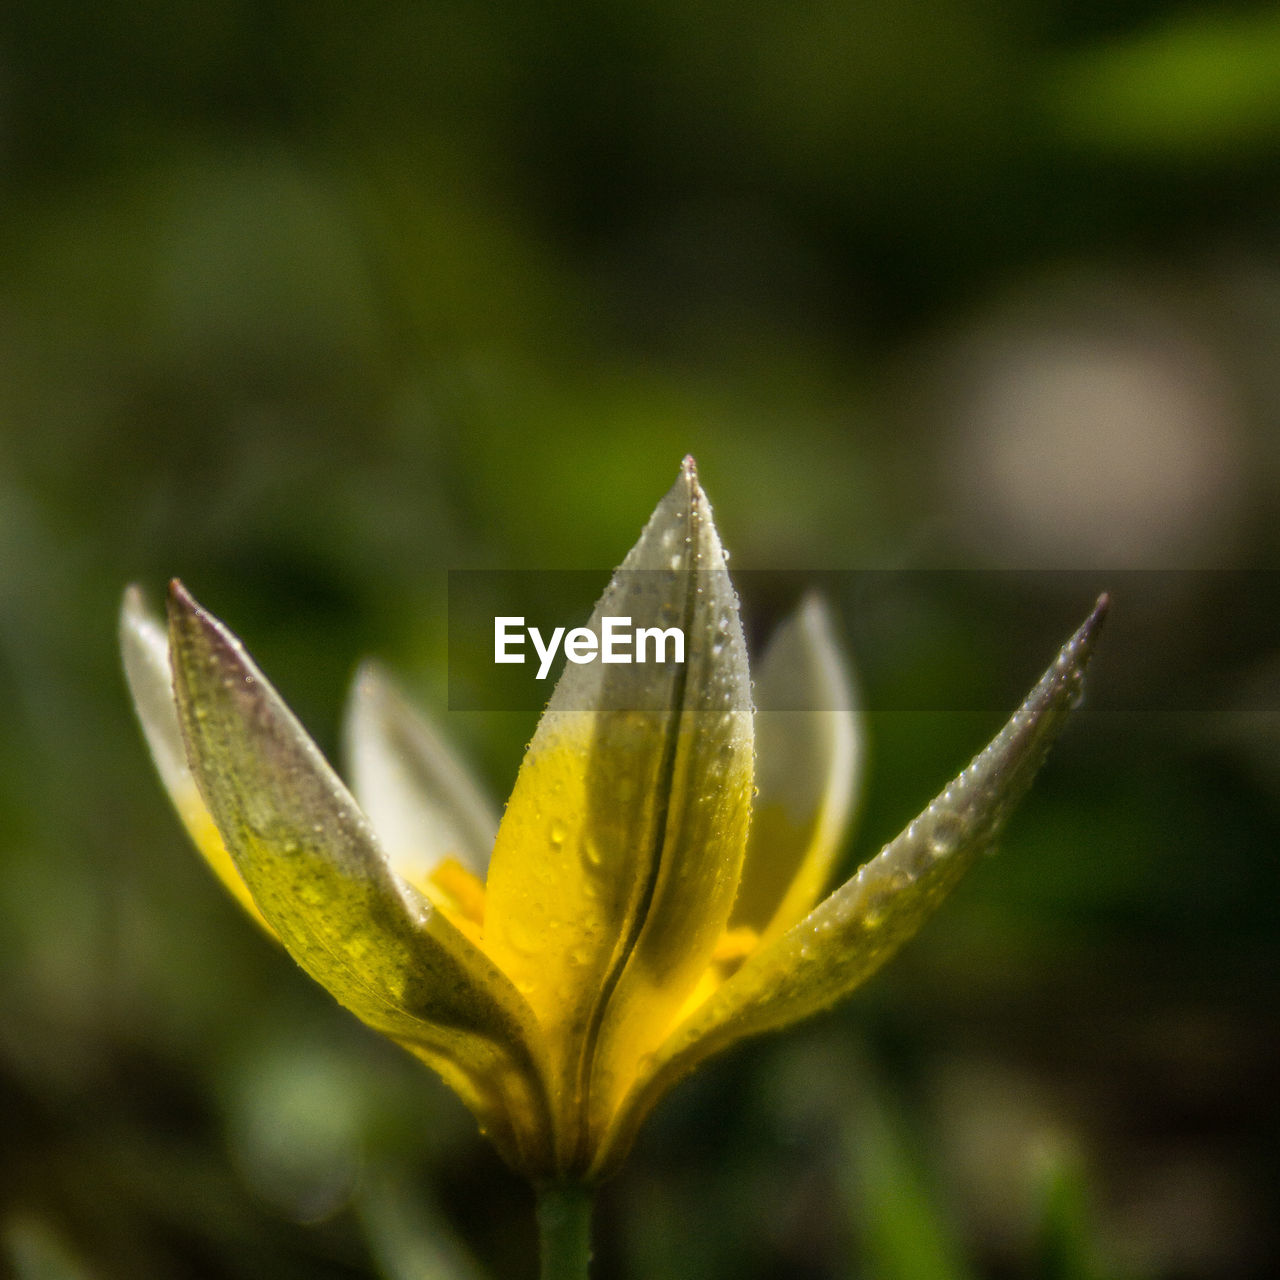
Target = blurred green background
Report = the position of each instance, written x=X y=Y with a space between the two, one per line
x=310 y=303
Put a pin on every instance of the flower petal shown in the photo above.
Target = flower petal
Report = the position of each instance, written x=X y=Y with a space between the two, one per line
x=145 y=646
x=809 y=754
x=316 y=872
x=858 y=927
x=420 y=798
x=617 y=859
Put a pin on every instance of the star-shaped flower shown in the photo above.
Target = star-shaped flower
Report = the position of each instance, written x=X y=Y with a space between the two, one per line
x=630 y=914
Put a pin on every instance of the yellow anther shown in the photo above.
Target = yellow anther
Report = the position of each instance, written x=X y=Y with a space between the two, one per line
x=735 y=945
x=459 y=892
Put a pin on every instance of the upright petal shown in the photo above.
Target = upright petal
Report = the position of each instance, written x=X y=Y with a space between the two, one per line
x=704 y=836
x=809 y=752
x=145 y=646
x=420 y=798
x=316 y=872
x=856 y=929
x=619 y=853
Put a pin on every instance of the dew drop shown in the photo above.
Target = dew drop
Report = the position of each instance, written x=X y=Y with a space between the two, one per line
x=556 y=833
x=1075 y=695
x=521 y=939
x=946 y=833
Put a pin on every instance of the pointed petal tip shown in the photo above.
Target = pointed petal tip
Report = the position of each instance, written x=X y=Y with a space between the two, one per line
x=814 y=608
x=687 y=480
x=1100 y=610
x=200 y=641
x=369 y=677
x=143 y=639
x=1079 y=649
x=187 y=615
x=181 y=605
x=135 y=615
x=680 y=533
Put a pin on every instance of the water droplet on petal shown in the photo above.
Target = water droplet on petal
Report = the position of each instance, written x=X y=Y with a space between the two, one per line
x=1075 y=696
x=945 y=835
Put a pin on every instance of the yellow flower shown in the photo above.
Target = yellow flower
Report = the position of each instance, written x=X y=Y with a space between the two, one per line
x=627 y=916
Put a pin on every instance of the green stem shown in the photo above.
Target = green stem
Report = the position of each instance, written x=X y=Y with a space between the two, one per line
x=564 y=1227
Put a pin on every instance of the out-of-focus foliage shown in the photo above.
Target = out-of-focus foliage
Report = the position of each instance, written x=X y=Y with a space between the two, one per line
x=309 y=304
x=1200 y=85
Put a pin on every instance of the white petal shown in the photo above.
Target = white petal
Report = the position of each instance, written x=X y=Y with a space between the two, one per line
x=809 y=757
x=421 y=799
x=144 y=642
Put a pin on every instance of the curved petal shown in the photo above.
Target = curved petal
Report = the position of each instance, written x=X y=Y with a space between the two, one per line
x=809 y=756
x=858 y=927
x=144 y=644
x=619 y=853
x=421 y=800
x=317 y=874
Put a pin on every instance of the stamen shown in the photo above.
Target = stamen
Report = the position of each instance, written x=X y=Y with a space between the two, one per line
x=734 y=946
x=459 y=893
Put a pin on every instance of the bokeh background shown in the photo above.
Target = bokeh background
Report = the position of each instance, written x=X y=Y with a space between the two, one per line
x=309 y=304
